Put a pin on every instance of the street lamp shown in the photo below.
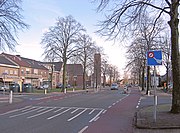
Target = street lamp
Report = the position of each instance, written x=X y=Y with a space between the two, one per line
x=4 y=76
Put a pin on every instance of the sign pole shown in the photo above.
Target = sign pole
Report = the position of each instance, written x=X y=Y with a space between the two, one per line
x=154 y=58
x=155 y=96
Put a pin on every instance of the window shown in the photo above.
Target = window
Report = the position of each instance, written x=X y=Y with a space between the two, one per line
x=15 y=72
x=11 y=71
x=35 y=71
x=6 y=71
x=27 y=71
x=22 y=71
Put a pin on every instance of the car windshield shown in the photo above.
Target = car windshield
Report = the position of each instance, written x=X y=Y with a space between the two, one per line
x=114 y=84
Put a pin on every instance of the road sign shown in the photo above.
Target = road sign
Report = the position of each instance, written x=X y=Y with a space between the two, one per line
x=154 y=58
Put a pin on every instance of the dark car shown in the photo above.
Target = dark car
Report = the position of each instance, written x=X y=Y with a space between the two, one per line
x=28 y=87
x=61 y=86
x=15 y=87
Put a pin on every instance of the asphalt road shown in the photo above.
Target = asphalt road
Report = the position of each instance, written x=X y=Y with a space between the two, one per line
x=62 y=113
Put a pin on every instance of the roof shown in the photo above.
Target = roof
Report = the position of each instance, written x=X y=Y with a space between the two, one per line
x=25 y=62
x=17 y=59
x=33 y=63
x=57 y=65
x=6 y=61
x=75 y=69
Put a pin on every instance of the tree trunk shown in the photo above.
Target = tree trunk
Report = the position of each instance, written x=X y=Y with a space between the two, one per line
x=143 y=78
x=167 y=76
x=173 y=23
x=139 y=77
x=84 y=78
x=64 y=75
x=148 y=79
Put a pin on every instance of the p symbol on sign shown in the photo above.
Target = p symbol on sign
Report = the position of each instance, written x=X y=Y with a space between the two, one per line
x=151 y=54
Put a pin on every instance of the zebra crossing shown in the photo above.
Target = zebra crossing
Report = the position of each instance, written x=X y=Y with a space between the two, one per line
x=50 y=113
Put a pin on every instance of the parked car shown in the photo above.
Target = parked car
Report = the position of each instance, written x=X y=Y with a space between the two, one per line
x=45 y=86
x=61 y=86
x=114 y=86
x=40 y=87
x=28 y=87
x=170 y=86
x=15 y=87
x=4 y=88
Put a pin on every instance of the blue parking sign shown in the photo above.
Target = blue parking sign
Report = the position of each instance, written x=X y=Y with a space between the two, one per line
x=154 y=58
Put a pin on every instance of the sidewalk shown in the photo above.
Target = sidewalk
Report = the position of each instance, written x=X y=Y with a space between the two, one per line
x=165 y=122
x=4 y=100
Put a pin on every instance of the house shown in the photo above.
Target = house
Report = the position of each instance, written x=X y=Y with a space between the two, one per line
x=37 y=74
x=55 y=72
x=29 y=71
x=74 y=74
x=8 y=71
x=14 y=68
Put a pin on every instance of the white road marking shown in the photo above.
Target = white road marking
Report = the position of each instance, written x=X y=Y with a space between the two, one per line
x=28 y=109
x=58 y=114
x=77 y=115
x=82 y=130
x=91 y=111
x=96 y=118
x=40 y=113
x=59 y=110
x=24 y=112
x=74 y=111
x=42 y=109
x=104 y=111
x=96 y=115
x=113 y=103
x=109 y=106
x=15 y=110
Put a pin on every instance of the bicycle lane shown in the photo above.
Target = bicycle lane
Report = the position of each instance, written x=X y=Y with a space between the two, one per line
x=119 y=118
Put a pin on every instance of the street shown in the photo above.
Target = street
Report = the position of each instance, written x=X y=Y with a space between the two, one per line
x=70 y=113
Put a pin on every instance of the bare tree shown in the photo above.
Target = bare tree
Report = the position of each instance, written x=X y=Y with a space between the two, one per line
x=136 y=59
x=127 y=12
x=61 y=41
x=86 y=48
x=146 y=38
x=166 y=49
x=104 y=68
x=11 y=21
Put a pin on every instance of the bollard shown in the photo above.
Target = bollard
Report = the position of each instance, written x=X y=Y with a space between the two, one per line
x=10 y=97
x=148 y=93
x=45 y=91
x=73 y=89
x=65 y=90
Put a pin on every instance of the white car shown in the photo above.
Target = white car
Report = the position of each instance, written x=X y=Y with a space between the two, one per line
x=114 y=86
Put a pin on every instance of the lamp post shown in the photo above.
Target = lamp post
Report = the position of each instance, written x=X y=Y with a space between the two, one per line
x=4 y=76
